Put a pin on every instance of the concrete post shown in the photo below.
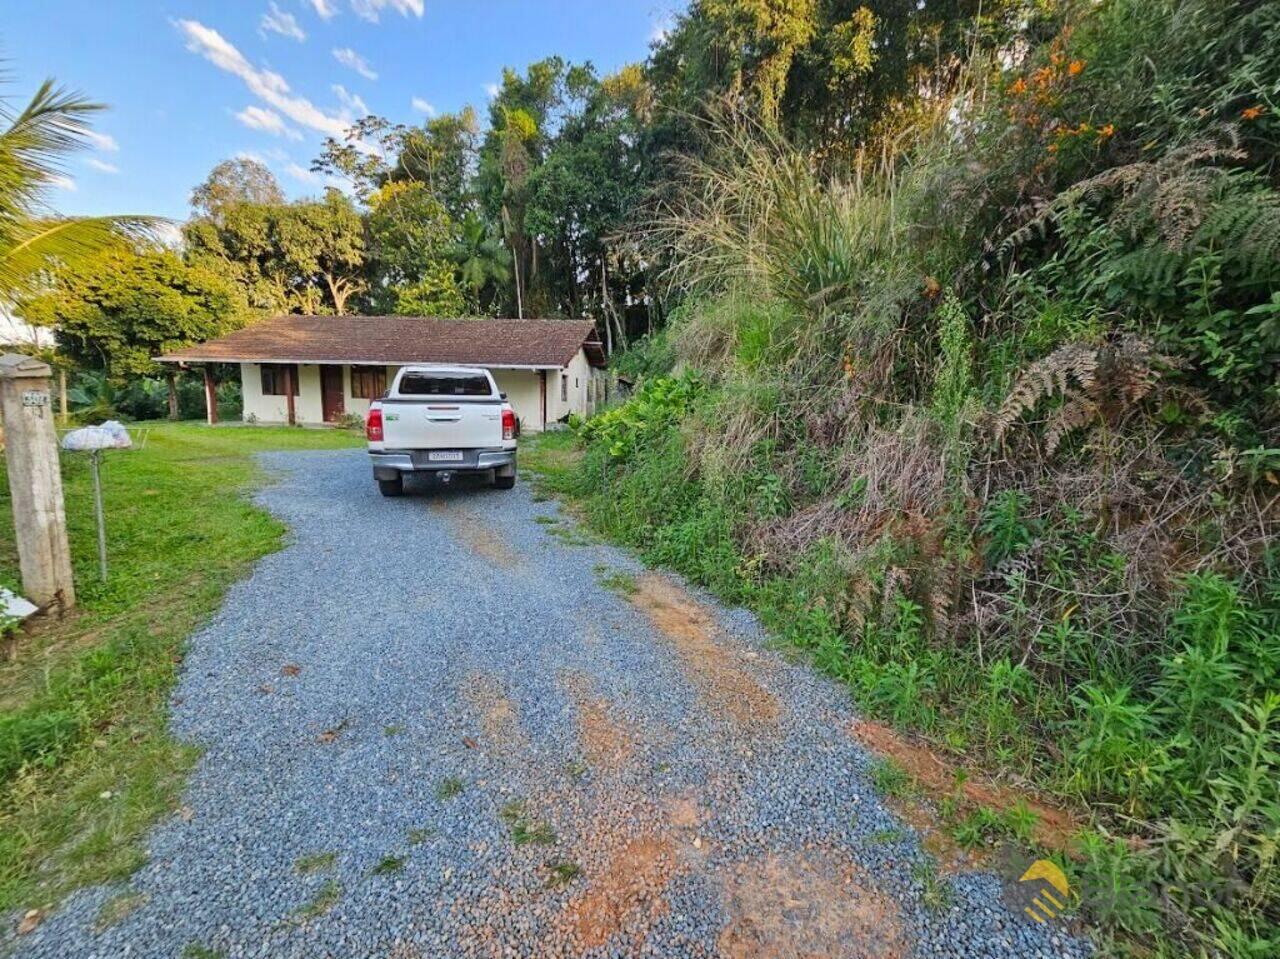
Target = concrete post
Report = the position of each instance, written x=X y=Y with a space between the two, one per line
x=35 y=481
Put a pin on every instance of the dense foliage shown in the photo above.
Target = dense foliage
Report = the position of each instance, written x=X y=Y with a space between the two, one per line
x=986 y=418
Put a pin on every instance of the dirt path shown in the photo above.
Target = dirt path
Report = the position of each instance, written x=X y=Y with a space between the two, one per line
x=435 y=726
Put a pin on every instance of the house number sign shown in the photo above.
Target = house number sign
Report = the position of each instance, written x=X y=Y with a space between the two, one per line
x=35 y=398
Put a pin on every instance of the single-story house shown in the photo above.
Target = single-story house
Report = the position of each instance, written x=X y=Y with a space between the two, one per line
x=319 y=369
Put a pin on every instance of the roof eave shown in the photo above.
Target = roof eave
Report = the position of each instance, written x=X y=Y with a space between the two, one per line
x=346 y=362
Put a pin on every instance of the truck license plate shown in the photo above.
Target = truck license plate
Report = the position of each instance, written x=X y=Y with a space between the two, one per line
x=444 y=456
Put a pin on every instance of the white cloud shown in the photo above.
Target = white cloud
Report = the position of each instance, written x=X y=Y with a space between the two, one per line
x=324 y=9
x=103 y=141
x=276 y=20
x=251 y=155
x=422 y=106
x=349 y=58
x=63 y=182
x=351 y=102
x=268 y=121
x=102 y=165
x=267 y=85
x=492 y=90
x=299 y=172
x=662 y=28
x=371 y=9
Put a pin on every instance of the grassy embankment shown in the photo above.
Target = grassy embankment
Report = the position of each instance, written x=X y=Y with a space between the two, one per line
x=86 y=760
x=987 y=428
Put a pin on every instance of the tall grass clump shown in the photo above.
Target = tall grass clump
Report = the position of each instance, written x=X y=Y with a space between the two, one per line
x=988 y=424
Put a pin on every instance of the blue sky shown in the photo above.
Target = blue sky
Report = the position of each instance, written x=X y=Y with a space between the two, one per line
x=192 y=82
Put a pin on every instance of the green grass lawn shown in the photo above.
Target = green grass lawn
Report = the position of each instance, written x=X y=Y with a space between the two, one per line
x=86 y=760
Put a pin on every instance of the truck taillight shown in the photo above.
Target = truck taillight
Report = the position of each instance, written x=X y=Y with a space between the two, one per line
x=373 y=426
x=508 y=425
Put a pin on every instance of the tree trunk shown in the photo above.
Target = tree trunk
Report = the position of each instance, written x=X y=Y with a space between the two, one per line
x=604 y=309
x=339 y=292
x=172 y=379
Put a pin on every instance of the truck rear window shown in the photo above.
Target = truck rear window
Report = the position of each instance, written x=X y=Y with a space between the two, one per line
x=445 y=384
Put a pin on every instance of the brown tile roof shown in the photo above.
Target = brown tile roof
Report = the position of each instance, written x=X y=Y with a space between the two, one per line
x=399 y=340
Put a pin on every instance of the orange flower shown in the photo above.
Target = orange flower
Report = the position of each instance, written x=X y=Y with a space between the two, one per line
x=1076 y=68
x=1019 y=87
x=1108 y=130
x=1083 y=127
x=1053 y=148
x=1252 y=113
x=1043 y=76
x=1055 y=58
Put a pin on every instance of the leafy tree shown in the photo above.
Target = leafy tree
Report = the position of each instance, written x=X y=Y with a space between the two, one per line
x=239 y=180
x=484 y=263
x=435 y=293
x=123 y=306
x=306 y=257
x=324 y=242
x=360 y=156
x=33 y=240
x=441 y=155
x=410 y=238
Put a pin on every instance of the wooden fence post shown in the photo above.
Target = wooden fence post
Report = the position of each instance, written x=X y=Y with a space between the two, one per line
x=35 y=481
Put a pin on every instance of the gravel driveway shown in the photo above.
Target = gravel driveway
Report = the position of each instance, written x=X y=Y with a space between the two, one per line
x=452 y=725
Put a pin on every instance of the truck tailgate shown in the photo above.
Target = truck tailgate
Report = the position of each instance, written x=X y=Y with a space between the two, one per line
x=442 y=424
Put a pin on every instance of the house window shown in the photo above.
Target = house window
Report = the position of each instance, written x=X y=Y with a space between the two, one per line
x=274 y=378
x=564 y=388
x=368 y=382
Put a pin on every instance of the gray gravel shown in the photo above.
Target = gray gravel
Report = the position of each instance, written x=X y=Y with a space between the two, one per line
x=451 y=635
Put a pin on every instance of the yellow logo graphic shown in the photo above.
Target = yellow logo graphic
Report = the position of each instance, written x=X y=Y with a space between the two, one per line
x=1050 y=884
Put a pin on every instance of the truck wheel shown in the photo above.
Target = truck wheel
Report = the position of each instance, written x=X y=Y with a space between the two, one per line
x=504 y=482
x=391 y=487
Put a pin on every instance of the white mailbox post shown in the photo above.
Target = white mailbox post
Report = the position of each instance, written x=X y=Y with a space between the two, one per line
x=35 y=481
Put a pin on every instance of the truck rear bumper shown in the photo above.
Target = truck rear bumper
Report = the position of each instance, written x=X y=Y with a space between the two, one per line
x=391 y=463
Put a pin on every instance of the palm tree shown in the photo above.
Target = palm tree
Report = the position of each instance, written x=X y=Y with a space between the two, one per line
x=482 y=258
x=33 y=239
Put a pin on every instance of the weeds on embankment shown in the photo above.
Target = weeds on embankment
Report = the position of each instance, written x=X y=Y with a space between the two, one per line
x=987 y=427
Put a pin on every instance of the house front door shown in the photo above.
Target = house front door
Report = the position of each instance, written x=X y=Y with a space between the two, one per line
x=331 y=403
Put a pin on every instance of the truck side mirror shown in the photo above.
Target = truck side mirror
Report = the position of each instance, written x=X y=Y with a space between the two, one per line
x=502 y=396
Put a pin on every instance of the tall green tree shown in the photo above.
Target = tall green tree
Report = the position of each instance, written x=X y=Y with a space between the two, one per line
x=239 y=180
x=411 y=236
x=483 y=261
x=122 y=306
x=304 y=257
x=441 y=155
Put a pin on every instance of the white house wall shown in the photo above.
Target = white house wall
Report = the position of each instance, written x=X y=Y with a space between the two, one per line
x=522 y=387
x=524 y=394
x=275 y=409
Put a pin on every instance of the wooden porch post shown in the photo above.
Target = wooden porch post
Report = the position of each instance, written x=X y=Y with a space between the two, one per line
x=542 y=383
x=288 y=393
x=210 y=398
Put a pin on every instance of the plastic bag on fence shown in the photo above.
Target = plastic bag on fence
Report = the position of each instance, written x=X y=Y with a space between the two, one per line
x=110 y=435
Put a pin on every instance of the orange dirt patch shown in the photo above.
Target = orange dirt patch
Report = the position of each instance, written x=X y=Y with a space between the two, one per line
x=948 y=854
x=606 y=742
x=1054 y=827
x=498 y=717
x=683 y=811
x=476 y=536
x=715 y=668
x=810 y=904
x=626 y=896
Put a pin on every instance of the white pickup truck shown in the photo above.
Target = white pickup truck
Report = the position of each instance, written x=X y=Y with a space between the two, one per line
x=443 y=420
